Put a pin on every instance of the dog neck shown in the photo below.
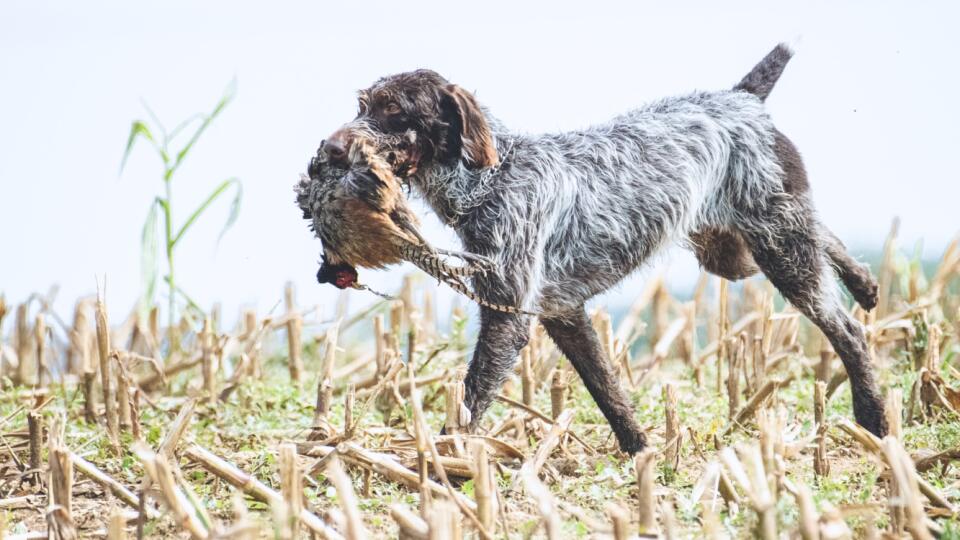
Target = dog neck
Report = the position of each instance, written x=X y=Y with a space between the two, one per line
x=454 y=190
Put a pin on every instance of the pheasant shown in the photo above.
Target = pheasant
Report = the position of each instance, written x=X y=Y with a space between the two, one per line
x=363 y=219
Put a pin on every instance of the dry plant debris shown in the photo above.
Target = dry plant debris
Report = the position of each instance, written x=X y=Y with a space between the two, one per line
x=295 y=425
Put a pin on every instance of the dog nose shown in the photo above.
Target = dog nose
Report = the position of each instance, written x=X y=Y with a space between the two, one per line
x=337 y=146
x=334 y=149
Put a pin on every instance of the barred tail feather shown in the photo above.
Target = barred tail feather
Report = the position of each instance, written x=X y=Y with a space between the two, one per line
x=462 y=289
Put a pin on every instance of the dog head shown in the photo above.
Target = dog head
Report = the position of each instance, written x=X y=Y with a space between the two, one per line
x=423 y=119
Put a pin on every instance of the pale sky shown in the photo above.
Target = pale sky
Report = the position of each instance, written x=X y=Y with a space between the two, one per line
x=868 y=99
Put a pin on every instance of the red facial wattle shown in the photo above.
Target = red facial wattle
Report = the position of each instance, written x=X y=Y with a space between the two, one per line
x=344 y=279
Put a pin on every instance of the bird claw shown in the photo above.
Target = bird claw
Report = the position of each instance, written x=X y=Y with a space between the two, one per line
x=484 y=265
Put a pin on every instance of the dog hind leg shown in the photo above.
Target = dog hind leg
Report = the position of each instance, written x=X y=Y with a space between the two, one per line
x=796 y=262
x=855 y=275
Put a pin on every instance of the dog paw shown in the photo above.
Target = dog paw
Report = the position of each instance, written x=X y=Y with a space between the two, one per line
x=865 y=290
x=870 y=412
x=874 y=421
x=632 y=442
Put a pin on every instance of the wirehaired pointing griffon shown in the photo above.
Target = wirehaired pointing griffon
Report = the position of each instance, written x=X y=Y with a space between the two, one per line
x=566 y=216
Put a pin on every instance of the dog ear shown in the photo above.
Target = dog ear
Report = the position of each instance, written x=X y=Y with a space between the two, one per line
x=469 y=125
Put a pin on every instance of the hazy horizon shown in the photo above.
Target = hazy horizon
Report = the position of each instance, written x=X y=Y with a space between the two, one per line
x=863 y=99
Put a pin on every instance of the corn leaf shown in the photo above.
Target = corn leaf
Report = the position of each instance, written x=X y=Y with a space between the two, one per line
x=225 y=100
x=234 y=209
x=140 y=130
x=183 y=125
x=219 y=190
x=155 y=119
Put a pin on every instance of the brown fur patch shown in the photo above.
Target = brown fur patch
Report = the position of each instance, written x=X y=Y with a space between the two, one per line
x=723 y=253
x=478 y=148
x=794 y=173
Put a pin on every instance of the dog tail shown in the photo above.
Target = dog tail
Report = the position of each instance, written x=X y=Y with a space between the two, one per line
x=764 y=75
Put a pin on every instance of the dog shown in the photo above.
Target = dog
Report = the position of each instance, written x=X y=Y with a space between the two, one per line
x=566 y=216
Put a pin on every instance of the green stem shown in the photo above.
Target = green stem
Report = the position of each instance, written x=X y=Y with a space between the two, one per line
x=168 y=230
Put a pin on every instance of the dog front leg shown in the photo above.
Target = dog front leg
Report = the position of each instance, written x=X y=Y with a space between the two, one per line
x=501 y=337
x=578 y=341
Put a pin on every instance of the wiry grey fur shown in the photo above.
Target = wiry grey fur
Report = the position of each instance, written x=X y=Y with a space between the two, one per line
x=568 y=215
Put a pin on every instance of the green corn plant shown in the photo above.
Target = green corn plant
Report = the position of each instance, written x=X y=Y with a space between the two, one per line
x=162 y=209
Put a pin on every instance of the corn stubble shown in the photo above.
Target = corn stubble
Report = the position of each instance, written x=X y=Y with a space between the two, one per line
x=295 y=425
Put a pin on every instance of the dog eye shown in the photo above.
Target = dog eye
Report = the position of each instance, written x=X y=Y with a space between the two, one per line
x=392 y=108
